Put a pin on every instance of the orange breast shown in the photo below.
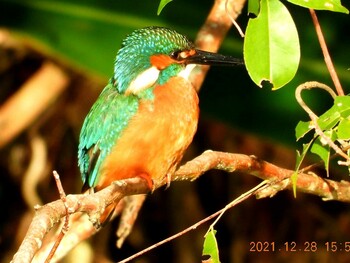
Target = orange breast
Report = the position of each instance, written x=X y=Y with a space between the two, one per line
x=156 y=137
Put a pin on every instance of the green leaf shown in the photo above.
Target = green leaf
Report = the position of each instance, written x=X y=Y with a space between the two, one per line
x=299 y=159
x=337 y=114
x=294 y=179
x=271 y=46
x=340 y=108
x=302 y=128
x=210 y=246
x=330 y=5
x=253 y=7
x=323 y=150
x=162 y=4
x=343 y=105
x=339 y=111
x=344 y=129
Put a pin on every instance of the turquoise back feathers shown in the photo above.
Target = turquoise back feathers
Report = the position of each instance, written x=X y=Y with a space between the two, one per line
x=101 y=130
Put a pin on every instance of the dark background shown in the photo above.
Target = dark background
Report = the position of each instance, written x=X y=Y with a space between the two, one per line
x=236 y=116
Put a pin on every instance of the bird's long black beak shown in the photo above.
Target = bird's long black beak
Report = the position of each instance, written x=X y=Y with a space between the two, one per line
x=208 y=58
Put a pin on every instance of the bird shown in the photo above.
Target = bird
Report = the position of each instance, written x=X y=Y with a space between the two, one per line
x=146 y=116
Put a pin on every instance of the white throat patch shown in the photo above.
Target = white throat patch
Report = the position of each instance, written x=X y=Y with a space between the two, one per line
x=147 y=78
x=143 y=81
x=185 y=73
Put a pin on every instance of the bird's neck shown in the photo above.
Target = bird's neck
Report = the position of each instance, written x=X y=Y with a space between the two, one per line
x=173 y=71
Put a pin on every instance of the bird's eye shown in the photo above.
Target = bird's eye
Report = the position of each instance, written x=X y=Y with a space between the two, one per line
x=181 y=55
x=176 y=55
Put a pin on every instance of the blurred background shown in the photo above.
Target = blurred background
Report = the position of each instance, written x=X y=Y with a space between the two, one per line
x=55 y=58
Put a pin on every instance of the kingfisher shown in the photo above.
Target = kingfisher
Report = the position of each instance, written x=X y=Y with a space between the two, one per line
x=146 y=117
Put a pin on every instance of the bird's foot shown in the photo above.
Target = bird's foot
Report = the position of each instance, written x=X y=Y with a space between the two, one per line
x=148 y=179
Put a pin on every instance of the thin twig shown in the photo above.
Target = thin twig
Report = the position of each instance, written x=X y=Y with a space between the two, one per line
x=35 y=170
x=65 y=226
x=314 y=165
x=314 y=117
x=131 y=207
x=327 y=57
x=217 y=214
x=239 y=29
x=264 y=184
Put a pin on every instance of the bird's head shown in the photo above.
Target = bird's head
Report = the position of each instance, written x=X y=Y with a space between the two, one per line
x=154 y=54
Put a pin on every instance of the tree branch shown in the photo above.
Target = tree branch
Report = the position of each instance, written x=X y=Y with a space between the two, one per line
x=230 y=162
x=94 y=204
x=213 y=32
x=50 y=214
x=20 y=110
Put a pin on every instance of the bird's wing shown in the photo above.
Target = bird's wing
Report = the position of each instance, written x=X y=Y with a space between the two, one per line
x=101 y=129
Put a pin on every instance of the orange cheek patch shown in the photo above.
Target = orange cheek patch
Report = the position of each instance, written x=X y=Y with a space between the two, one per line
x=161 y=61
